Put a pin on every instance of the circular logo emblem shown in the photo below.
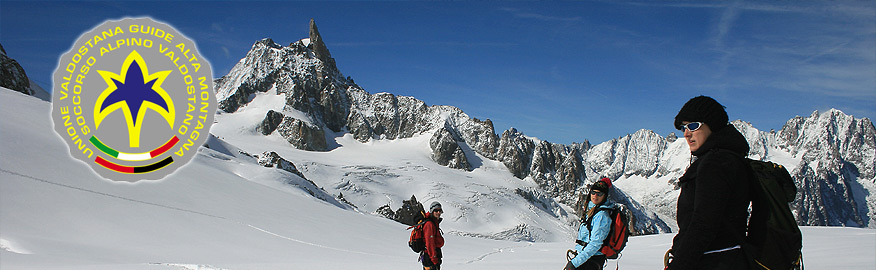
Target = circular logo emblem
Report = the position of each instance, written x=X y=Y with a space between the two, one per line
x=133 y=99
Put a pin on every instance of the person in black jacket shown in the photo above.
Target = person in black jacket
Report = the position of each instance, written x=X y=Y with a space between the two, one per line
x=713 y=203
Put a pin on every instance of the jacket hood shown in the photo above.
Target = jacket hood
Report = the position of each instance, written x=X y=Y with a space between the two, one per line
x=727 y=138
x=605 y=205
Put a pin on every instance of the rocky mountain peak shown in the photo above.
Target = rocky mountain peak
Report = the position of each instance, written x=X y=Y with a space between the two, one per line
x=306 y=74
x=319 y=48
x=268 y=43
x=12 y=75
x=830 y=154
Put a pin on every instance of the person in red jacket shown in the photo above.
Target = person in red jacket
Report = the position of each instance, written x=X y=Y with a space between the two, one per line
x=431 y=257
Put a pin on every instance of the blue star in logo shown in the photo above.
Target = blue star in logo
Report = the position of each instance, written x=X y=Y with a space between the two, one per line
x=134 y=91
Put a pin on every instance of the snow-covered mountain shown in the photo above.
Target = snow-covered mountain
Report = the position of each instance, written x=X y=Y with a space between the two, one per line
x=266 y=193
x=835 y=167
x=297 y=93
x=309 y=103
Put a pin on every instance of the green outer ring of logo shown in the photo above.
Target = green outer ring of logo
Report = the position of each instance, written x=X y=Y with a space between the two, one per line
x=118 y=139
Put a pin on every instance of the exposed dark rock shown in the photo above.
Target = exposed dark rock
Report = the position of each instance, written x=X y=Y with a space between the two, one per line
x=302 y=135
x=258 y=59
x=344 y=200
x=359 y=126
x=447 y=152
x=570 y=175
x=557 y=169
x=671 y=138
x=386 y=211
x=271 y=122
x=480 y=136
x=272 y=159
x=410 y=210
x=319 y=48
x=12 y=75
x=515 y=151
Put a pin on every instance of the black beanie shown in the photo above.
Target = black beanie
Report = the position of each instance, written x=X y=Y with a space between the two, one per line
x=603 y=185
x=703 y=109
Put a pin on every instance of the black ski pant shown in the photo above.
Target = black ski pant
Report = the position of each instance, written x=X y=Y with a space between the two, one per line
x=427 y=262
x=594 y=263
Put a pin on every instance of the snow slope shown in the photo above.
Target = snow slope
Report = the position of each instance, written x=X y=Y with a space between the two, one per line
x=224 y=211
x=485 y=202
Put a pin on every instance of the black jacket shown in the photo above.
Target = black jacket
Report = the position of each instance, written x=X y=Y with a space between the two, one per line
x=713 y=204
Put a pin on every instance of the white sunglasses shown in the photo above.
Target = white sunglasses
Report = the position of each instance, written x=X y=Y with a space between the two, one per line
x=693 y=126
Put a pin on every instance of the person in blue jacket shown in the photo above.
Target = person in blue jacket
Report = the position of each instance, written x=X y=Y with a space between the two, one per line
x=595 y=226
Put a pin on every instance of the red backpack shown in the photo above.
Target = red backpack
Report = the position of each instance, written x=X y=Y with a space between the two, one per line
x=618 y=234
x=418 y=241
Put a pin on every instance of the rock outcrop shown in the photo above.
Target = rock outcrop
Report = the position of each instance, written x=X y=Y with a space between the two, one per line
x=272 y=159
x=12 y=75
x=270 y=123
x=302 y=135
x=407 y=214
x=446 y=152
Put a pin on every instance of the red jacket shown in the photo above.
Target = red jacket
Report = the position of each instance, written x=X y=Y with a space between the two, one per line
x=433 y=237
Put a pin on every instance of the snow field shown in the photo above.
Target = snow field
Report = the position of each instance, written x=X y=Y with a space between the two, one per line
x=222 y=211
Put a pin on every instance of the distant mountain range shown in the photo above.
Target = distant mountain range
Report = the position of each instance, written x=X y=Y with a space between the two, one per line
x=831 y=155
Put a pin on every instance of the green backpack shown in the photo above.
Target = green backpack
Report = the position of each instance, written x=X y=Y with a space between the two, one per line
x=774 y=240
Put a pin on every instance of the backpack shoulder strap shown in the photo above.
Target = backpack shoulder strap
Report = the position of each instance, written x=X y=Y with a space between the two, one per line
x=589 y=221
x=747 y=162
x=743 y=157
x=419 y=221
x=423 y=221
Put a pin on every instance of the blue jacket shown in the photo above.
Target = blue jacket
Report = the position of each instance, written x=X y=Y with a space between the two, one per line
x=601 y=226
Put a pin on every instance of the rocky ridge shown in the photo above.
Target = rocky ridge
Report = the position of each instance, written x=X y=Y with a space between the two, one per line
x=833 y=152
x=12 y=75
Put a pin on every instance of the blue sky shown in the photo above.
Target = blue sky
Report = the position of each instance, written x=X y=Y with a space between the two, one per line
x=560 y=71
